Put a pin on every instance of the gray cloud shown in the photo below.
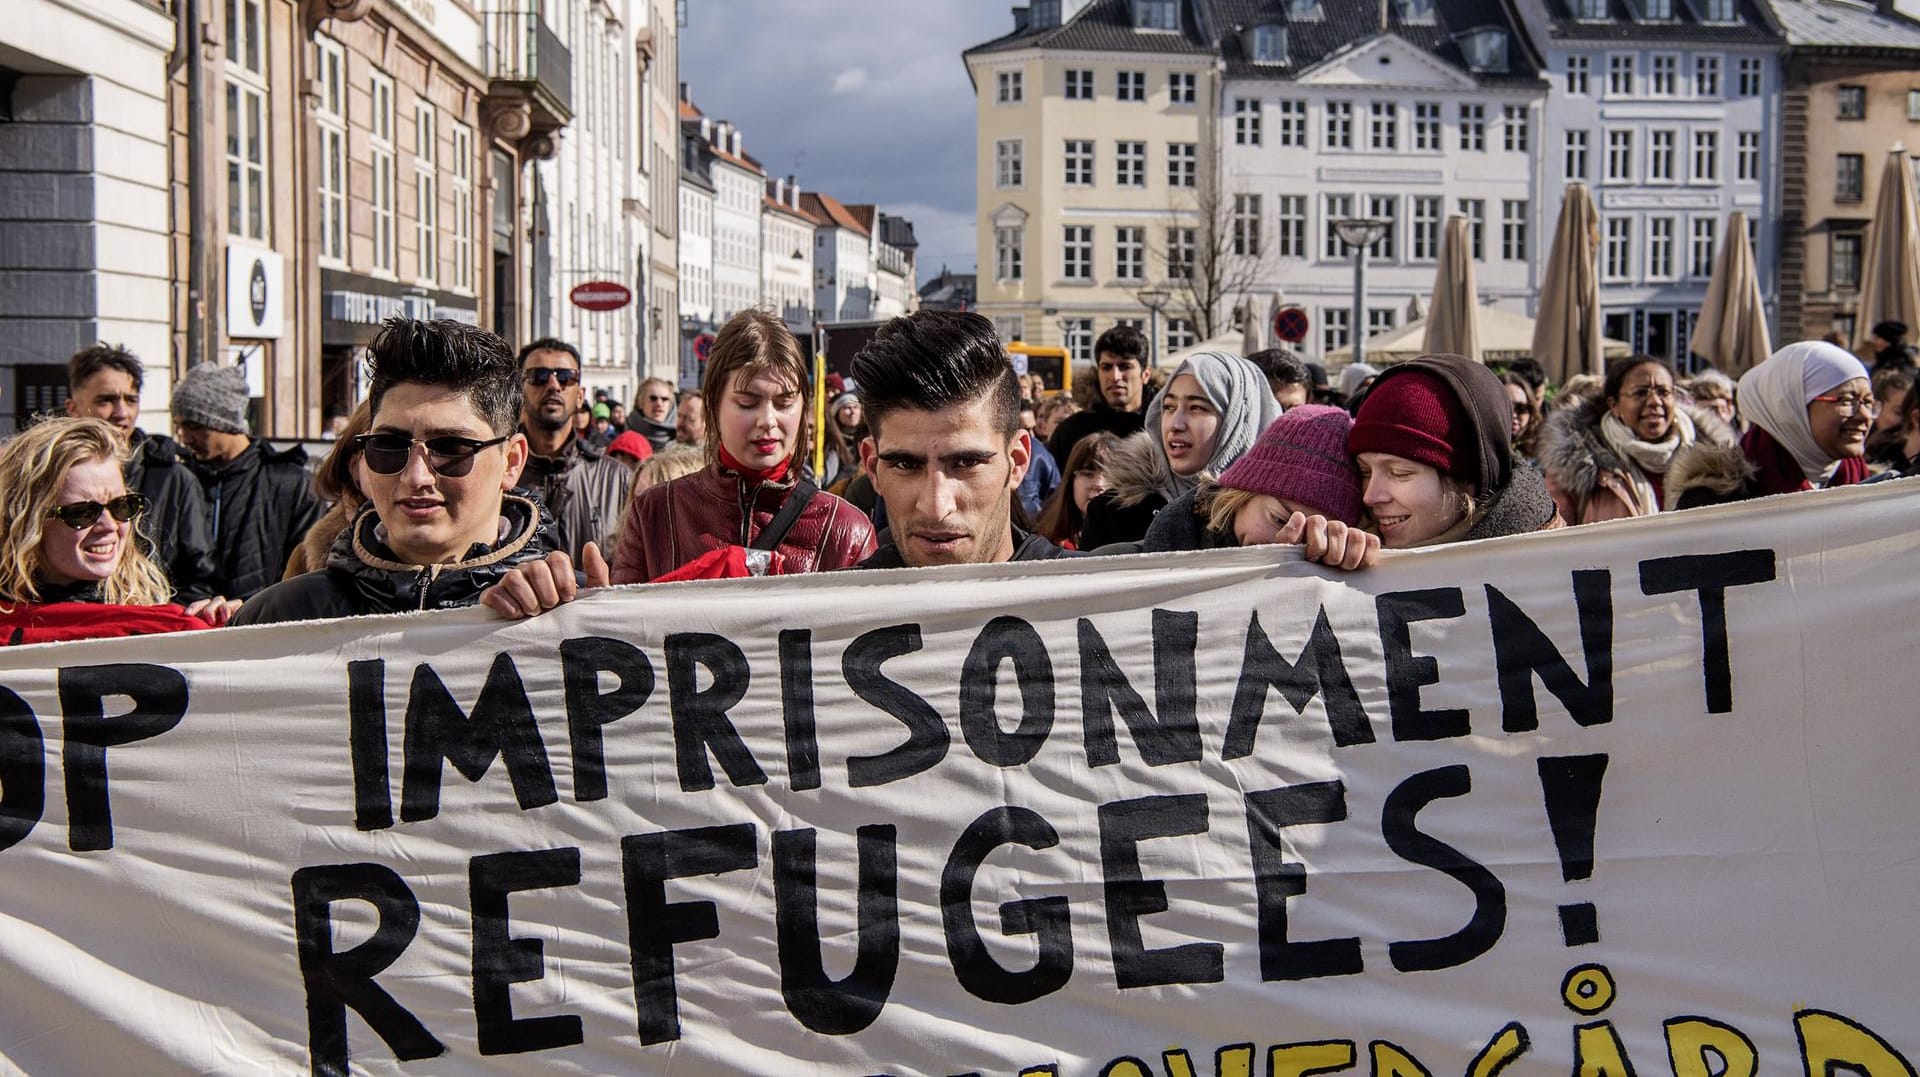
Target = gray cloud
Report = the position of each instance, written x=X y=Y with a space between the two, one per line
x=864 y=99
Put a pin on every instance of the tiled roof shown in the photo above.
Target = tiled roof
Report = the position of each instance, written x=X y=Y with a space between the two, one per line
x=1107 y=26
x=1686 y=25
x=768 y=203
x=829 y=212
x=1345 y=23
x=688 y=113
x=741 y=161
x=897 y=232
x=863 y=212
x=1844 y=23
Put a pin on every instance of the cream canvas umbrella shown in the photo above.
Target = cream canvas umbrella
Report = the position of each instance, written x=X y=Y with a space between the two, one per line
x=1890 y=275
x=1566 y=332
x=1254 y=330
x=1504 y=335
x=1416 y=309
x=1453 y=325
x=1732 y=331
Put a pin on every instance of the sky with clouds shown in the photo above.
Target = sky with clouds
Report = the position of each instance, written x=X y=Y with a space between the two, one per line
x=864 y=99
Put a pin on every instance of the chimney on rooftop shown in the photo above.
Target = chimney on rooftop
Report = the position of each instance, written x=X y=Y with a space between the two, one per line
x=733 y=136
x=706 y=129
x=793 y=191
x=683 y=92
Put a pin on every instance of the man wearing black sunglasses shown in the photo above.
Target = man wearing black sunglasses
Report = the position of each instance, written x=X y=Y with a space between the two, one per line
x=438 y=466
x=584 y=489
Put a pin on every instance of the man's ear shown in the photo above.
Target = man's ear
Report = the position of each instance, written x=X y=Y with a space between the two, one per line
x=1020 y=451
x=869 y=454
x=516 y=449
x=73 y=407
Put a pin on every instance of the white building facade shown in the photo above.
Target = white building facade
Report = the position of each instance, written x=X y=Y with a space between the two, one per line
x=842 y=261
x=738 y=193
x=696 y=262
x=786 y=257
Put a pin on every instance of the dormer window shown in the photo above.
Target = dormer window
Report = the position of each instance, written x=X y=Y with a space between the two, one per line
x=1656 y=10
x=1591 y=10
x=1304 y=11
x=1267 y=44
x=1723 y=10
x=1156 y=15
x=1486 y=50
x=1416 y=12
x=1046 y=14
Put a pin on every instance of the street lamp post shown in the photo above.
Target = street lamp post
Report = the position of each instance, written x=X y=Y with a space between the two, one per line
x=1360 y=233
x=1155 y=300
x=1068 y=332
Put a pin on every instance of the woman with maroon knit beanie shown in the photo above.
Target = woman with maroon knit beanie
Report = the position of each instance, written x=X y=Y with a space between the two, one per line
x=1433 y=441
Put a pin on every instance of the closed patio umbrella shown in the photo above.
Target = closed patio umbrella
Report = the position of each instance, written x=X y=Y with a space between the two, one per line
x=1453 y=324
x=1732 y=331
x=1890 y=273
x=1566 y=331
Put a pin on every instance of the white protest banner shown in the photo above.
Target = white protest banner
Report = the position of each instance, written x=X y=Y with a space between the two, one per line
x=1613 y=801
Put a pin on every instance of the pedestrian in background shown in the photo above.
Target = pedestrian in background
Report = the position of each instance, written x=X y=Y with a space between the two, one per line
x=652 y=415
x=1606 y=457
x=583 y=489
x=1119 y=392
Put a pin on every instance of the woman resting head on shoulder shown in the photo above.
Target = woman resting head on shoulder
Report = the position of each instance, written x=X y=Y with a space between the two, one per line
x=1433 y=442
x=71 y=565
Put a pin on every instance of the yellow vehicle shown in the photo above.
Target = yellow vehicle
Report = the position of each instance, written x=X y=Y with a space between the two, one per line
x=1052 y=364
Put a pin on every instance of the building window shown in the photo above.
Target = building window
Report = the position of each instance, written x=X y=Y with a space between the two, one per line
x=1475 y=211
x=1660 y=156
x=1656 y=10
x=1339 y=125
x=1846 y=262
x=1423 y=234
x=1514 y=127
x=1620 y=156
x=1156 y=15
x=1291 y=209
x=1079 y=333
x=1079 y=158
x=1747 y=155
x=1473 y=127
x=1246 y=225
x=1706 y=156
x=1008 y=256
x=1663 y=75
x=330 y=116
x=247 y=135
x=1576 y=154
x=1701 y=253
x=1291 y=128
x=1913 y=106
x=1426 y=125
x=1619 y=251
x=1012 y=88
x=1079 y=84
x=1591 y=10
x=1379 y=320
x=1180 y=334
x=1335 y=208
x=1579 y=71
x=1267 y=45
x=1130 y=253
x=1008 y=169
x=1513 y=230
x=1485 y=50
x=385 y=177
x=1181 y=88
x=1010 y=328
x=1723 y=10
x=1130 y=85
x=1335 y=329
x=1246 y=121
x=1853 y=102
x=1383 y=125
x=463 y=276
x=1130 y=164
x=1706 y=76
x=1385 y=207
x=1620 y=74
x=1180 y=253
x=1183 y=162
x=1750 y=76
x=1077 y=253
x=1660 y=248
x=1850 y=182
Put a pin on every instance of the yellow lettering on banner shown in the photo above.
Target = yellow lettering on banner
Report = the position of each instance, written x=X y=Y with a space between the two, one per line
x=1691 y=1039
x=1302 y=1059
x=1126 y=1067
x=1041 y=1071
x=1598 y=1052
x=1500 y=1052
x=1391 y=1061
x=1232 y=1061
x=1829 y=1042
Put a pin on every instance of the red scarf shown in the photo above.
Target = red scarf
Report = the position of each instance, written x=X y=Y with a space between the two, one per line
x=768 y=474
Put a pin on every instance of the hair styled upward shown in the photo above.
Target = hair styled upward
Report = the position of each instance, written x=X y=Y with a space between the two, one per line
x=931 y=360
x=752 y=343
x=464 y=358
x=94 y=358
x=33 y=464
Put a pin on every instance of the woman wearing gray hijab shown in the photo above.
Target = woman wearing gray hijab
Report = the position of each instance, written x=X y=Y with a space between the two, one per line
x=1208 y=414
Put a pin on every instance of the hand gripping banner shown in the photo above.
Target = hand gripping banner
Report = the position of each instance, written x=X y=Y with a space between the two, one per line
x=1617 y=801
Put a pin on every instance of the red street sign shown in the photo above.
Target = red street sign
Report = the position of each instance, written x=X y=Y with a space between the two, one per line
x=703 y=346
x=1290 y=324
x=601 y=295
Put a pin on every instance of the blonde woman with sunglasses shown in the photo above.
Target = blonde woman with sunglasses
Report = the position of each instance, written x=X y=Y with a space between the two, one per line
x=72 y=564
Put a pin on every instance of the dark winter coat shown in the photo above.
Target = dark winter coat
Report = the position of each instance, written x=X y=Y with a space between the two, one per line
x=1026 y=547
x=1096 y=419
x=363 y=576
x=658 y=435
x=1125 y=511
x=583 y=489
x=1589 y=480
x=259 y=507
x=1521 y=507
x=175 y=527
x=1180 y=526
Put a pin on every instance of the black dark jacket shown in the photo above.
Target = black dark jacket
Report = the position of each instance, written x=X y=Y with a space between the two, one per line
x=175 y=527
x=1026 y=547
x=583 y=489
x=658 y=435
x=1179 y=527
x=259 y=507
x=364 y=577
x=1521 y=507
x=1094 y=420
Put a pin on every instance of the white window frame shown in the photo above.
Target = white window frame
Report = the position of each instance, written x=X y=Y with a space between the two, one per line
x=1290 y=216
x=385 y=195
x=1079 y=84
x=1383 y=125
x=1662 y=238
x=426 y=187
x=1181 y=334
x=1130 y=86
x=1336 y=328
x=1290 y=123
x=1513 y=229
x=1473 y=127
x=1009 y=164
x=1663 y=74
x=1428 y=127
x=1516 y=128
x=1753 y=76
x=1703 y=235
x=1182 y=252
x=1079 y=156
x=1663 y=155
x=1076 y=252
x=1475 y=211
x=1616 y=263
x=330 y=118
x=1010 y=87
x=1746 y=149
x=249 y=201
x=1246 y=121
x=1183 y=164
x=1620 y=74
x=1182 y=88
x=1247 y=225
x=1337 y=131
x=1579 y=75
x=1009 y=256
x=1334 y=207
x=463 y=208
x=1575 y=157
x=1130 y=163
x=1705 y=158
x=1426 y=215
x=1706 y=75
x=1385 y=207
x=1619 y=162
x=1129 y=253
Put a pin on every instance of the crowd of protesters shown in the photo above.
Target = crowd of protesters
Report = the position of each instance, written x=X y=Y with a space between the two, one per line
x=475 y=473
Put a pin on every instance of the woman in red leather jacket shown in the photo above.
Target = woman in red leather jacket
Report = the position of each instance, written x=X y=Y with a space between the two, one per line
x=756 y=389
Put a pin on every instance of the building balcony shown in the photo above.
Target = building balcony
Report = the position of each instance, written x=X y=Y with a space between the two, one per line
x=529 y=72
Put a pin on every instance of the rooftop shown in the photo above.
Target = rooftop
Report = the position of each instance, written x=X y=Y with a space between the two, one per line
x=1844 y=23
x=1437 y=28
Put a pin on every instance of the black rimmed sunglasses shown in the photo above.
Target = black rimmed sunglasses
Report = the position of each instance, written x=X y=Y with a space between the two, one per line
x=449 y=456
x=83 y=514
x=540 y=375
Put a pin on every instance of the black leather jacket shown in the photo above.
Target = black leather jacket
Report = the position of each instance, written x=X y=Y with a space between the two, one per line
x=259 y=505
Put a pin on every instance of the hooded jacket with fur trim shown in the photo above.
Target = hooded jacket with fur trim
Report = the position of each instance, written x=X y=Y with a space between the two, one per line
x=1590 y=481
x=1135 y=472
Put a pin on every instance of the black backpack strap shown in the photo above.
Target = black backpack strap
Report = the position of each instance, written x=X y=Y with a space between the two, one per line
x=789 y=514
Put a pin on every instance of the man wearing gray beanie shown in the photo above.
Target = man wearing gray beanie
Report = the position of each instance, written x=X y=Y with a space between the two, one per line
x=260 y=500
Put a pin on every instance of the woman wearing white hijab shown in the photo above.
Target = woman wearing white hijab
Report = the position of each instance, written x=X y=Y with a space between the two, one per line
x=1809 y=407
x=1209 y=413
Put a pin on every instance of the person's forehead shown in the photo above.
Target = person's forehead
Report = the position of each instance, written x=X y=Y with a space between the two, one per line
x=958 y=428
x=99 y=478
x=105 y=382
x=1110 y=359
x=766 y=381
x=432 y=409
x=549 y=357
